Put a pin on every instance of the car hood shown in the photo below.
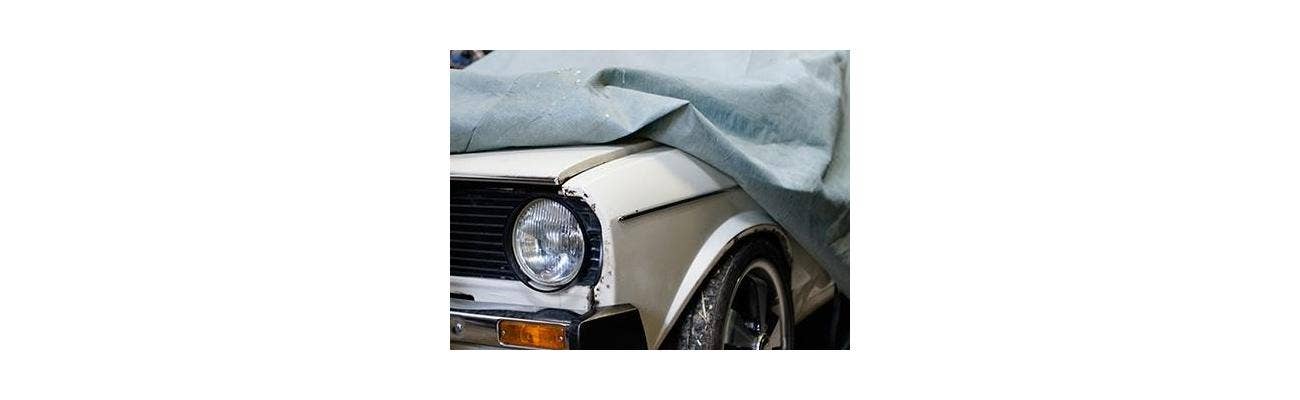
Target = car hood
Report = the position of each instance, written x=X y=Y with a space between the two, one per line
x=552 y=165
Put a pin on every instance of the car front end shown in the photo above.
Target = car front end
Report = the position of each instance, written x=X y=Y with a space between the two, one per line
x=595 y=247
x=526 y=256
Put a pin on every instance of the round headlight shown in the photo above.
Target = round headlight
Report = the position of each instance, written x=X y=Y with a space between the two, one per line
x=548 y=243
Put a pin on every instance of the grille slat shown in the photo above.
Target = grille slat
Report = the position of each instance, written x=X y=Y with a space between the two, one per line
x=469 y=215
x=494 y=233
x=485 y=225
x=475 y=268
x=481 y=206
x=475 y=242
x=492 y=255
x=483 y=260
x=479 y=251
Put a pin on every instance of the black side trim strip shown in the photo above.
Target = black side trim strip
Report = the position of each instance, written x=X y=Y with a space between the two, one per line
x=639 y=213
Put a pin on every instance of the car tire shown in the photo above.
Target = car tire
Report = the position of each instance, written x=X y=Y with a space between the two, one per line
x=735 y=305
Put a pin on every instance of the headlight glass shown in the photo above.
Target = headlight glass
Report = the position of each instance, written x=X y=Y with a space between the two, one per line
x=548 y=243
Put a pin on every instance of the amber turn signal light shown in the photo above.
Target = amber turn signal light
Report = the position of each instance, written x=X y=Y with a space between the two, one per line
x=532 y=334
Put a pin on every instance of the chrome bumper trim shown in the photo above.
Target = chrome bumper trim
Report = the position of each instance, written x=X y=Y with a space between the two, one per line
x=474 y=324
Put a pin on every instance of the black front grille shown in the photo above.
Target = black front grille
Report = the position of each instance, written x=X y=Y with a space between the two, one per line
x=480 y=221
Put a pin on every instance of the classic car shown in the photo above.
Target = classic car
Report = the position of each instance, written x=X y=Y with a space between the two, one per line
x=623 y=245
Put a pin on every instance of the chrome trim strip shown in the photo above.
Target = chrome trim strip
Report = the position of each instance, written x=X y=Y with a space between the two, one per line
x=641 y=212
x=475 y=329
x=471 y=305
x=472 y=346
x=505 y=179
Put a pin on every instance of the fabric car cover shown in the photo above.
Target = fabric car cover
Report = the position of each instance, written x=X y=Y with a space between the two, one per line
x=776 y=122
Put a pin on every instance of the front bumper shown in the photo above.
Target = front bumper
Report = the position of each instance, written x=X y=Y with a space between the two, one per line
x=475 y=325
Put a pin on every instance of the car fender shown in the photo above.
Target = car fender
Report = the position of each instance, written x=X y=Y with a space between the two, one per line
x=667 y=218
x=732 y=231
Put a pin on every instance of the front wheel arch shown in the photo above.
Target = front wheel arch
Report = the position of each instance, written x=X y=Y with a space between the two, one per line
x=748 y=225
x=736 y=259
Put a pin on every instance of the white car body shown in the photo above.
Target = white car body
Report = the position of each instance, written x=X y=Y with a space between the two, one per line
x=665 y=219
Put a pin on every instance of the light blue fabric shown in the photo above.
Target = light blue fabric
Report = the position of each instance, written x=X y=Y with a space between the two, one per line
x=776 y=122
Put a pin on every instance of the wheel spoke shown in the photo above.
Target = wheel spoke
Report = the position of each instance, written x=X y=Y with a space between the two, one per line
x=759 y=303
x=775 y=337
x=755 y=318
x=739 y=335
x=728 y=324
